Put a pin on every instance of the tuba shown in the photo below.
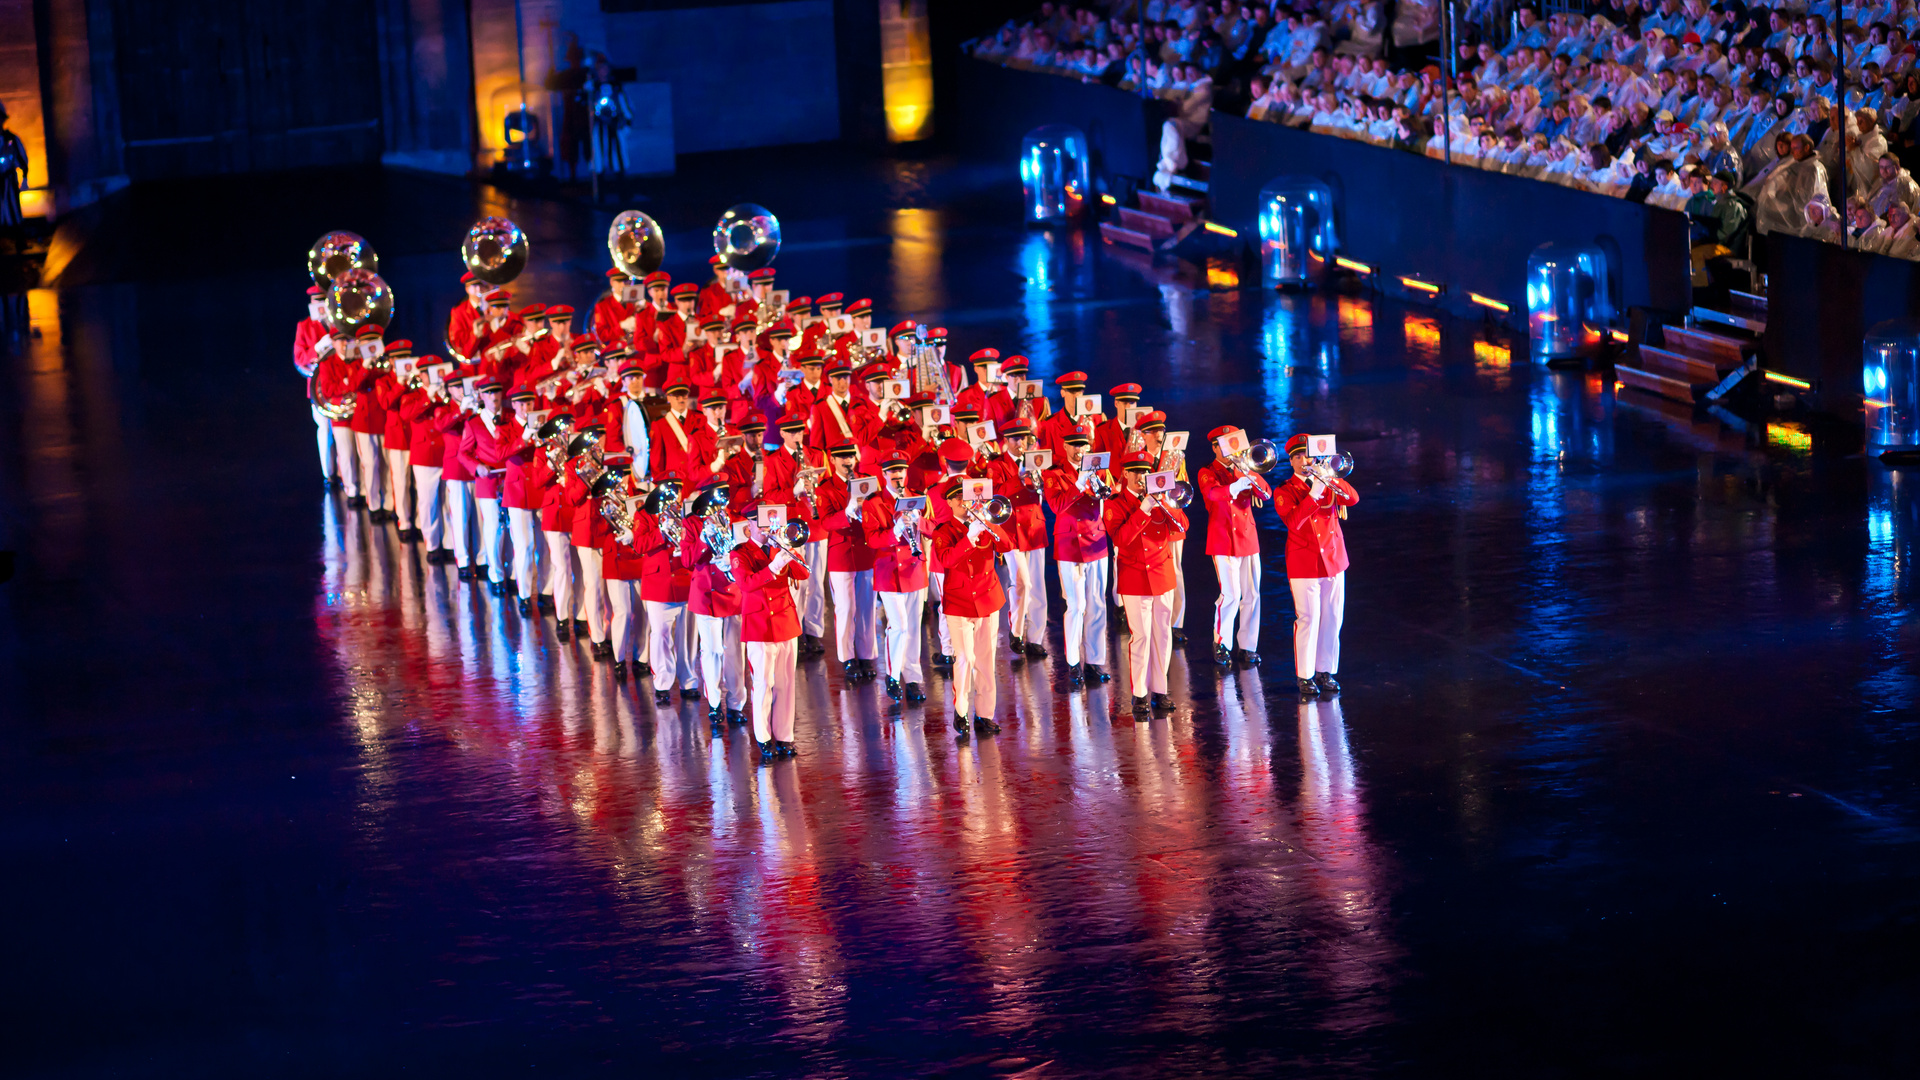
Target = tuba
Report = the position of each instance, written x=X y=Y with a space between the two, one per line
x=746 y=237
x=636 y=244
x=495 y=250
x=338 y=252
x=358 y=297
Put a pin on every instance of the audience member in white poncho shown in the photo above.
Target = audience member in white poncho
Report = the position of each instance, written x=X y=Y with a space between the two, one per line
x=1782 y=201
x=1896 y=235
x=1892 y=186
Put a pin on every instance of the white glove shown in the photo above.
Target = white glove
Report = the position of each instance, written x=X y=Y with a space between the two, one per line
x=974 y=531
x=780 y=561
x=627 y=325
x=1240 y=485
x=1318 y=489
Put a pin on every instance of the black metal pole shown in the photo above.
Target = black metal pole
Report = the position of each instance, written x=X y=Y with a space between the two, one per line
x=1840 y=86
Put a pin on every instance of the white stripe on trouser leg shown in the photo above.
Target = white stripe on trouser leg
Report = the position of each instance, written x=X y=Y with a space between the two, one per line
x=667 y=646
x=459 y=529
x=346 y=460
x=852 y=614
x=1151 y=644
x=1179 y=584
x=1084 y=586
x=904 y=633
x=520 y=524
x=770 y=671
x=811 y=594
x=622 y=598
x=974 y=679
x=1319 y=607
x=560 y=558
x=720 y=674
x=593 y=602
x=1239 y=601
x=427 y=505
x=373 y=462
x=937 y=589
x=1030 y=601
x=493 y=538
x=399 y=486
x=323 y=437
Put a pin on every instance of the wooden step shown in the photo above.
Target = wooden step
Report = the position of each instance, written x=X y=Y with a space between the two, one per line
x=1146 y=222
x=1691 y=369
x=1120 y=234
x=1654 y=383
x=1176 y=208
x=1722 y=351
x=1188 y=183
x=1753 y=322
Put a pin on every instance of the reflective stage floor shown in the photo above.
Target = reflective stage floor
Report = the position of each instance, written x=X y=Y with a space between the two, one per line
x=1622 y=780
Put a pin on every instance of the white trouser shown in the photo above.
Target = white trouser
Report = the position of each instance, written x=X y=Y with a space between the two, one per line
x=560 y=572
x=346 y=460
x=1150 y=619
x=667 y=639
x=426 y=509
x=973 y=675
x=771 y=665
x=1084 y=586
x=1319 y=606
x=323 y=436
x=594 y=597
x=1179 y=584
x=399 y=490
x=811 y=595
x=520 y=523
x=459 y=510
x=621 y=597
x=720 y=660
x=493 y=539
x=905 y=633
x=937 y=590
x=1027 y=600
x=367 y=448
x=1239 y=577
x=853 y=614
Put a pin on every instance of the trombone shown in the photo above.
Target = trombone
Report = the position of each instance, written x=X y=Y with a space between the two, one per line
x=1260 y=456
x=791 y=538
x=994 y=511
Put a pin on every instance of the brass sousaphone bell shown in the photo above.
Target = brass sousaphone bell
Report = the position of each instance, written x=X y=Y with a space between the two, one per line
x=495 y=250
x=358 y=297
x=747 y=237
x=338 y=252
x=636 y=244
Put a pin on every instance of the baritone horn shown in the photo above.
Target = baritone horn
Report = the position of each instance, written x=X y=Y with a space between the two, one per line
x=636 y=244
x=495 y=250
x=746 y=237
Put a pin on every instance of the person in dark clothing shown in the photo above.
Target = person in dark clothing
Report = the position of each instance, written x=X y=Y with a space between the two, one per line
x=13 y=175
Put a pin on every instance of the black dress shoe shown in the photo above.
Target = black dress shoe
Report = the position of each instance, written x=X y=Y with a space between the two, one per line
x=960 y=724
x=784 y=749
x=851 y=669
x=1324 y=680
x=330 y=483
x=689 y=693
x=1094 y=674
x=1073 y=675
x=984 y=726
x=356 y=502
x=1179 y=636
x=715 y=713
x=661 y=697
x=1247 y=656
x=766 y=750
x=465 y=573
x=526 y=607
x=942 y=660
x=1162 y=703
x=561 y=632
x=603 y=650
x=893 y=688
x=1141 y=707
x=1036 y=650
x=619 y=671
x=580 y=628
x=1222 y=655
x=644 y=671
x=1308 y=688
x=736 y=716
x=546 y=603
x=914 y=693
x=412 y=536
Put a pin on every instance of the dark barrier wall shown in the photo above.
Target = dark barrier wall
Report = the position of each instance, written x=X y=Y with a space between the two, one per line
x=1822 y=301
x=1466 y=227
x=1000 y=105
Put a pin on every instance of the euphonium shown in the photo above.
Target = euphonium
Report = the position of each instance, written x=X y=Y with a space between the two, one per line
x=720 y=539
x=608 y=489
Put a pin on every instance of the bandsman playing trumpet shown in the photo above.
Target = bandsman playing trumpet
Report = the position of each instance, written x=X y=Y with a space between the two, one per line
x=1023 y=572
x=1310 y=504
x=841 y=515
x=956 y=459
x=1144 y=527
x=764 y=571
x=969 y=545
x=1153 y=437
x=1080 y=548
x=898 y=541
x=1230 y=484
x=791 y=477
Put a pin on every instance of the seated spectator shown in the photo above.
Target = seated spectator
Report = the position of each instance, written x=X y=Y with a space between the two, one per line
x=1892 y=186
x=1898 y=237
x=1782 y=201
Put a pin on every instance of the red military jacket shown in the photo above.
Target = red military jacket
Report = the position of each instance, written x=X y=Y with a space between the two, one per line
x=997 y=406
x=862 y=422
x=391 y=395
x=1143 y=544
x=896 y=569
x=465 y=324
x=516 y=455
x=973 y=587
x=1079 y=530
x=1315 y=546
x=306 y=345
x=712 y=592
x=1028 y=526
x=665 y=577
x=613 y=321
x=847 y=548
x=451 y=423
x=422 y=413
x=684 y=453
x=766 y=601
x=1230 y=528
x=590 y=528
x=478 y=447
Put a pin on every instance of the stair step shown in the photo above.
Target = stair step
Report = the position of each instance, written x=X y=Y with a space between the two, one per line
x=1120 y=234
x=1654 y=383
x=1694 y=370
x=1188 y=182
x=1174 y=208
x=1146 y=222
x=1722 y=351
x=1754 y=322
x=1749 y=302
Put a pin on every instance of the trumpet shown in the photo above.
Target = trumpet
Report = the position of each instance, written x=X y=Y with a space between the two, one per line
x=994 y=511
x=911 y=519
x=809 y=488
x=378 y=363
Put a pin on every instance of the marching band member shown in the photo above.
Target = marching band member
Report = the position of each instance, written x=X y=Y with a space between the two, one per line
x=1143 y=528
x=1234 y=546
x=663 y=594
x=626 y=562
x=310 y=339
x=333 y=379
x=768 y=626
x=679 y=440
x=555 y=515
x=1309 y=504
x=515 y=450
x=956 y=455
x=614 y=318
x=591 y=533
x=785 y=480
x=477 y=443
x=457 y=473
x=713 y=598
x=719 y=290
x=849 y=563
x=840 y=417
x=468 y=319
x=424 y=409
x=987 y=396
x=645 y=339
x=1153 y=434
x=1053 y=430
x=968 y=550
x=390 y=389
x=1027 y=599
x=369 y=423
x=1080 y=548
x=900 y=577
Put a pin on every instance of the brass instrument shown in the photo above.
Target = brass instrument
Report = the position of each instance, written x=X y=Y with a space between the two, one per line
x=746 y=237
x=911 y=519
x=382 y=363
x=495 y=250
x=929 y=371
x=553 y=436
x=1333 y=467
x=609 y=489
x=636 y=244
x=997 y=511
x=1098 y=487
x=1179 y=496
x=810 y=487
x=358 y=297
x=338 y=252
x=588 y=464
x=720 y=539
x=670 y=511
x=1260 y=456
x=791 y=538
x=336 y=411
